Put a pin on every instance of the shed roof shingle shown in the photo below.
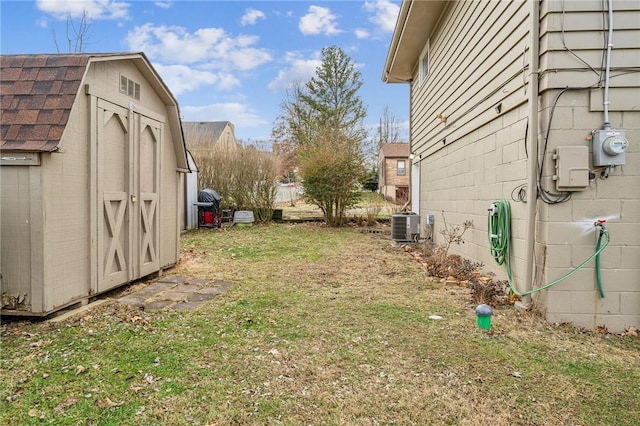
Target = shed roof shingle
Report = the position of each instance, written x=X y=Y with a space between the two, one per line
x=37 y=93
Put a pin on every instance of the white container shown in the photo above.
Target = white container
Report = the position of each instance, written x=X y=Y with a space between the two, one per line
x=243 y=216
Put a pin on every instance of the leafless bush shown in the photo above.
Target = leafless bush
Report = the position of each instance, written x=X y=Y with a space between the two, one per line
x=453 y=234
x=433 y=259
x=440 y=264
x=373 y=208
x=246 y=178
x=490 y=292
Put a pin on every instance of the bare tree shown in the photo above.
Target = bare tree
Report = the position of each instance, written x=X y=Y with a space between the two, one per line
x=78 y=33
x=389 y=128
x=285 y=149
x=246 y=177
x=292 y=128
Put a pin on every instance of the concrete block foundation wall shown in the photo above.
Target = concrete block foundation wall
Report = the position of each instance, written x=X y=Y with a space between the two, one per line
x=462 y=179
x=567 y=232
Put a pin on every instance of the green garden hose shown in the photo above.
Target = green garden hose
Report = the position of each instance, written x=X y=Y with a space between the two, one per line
x=598 y=277
x=499 y=233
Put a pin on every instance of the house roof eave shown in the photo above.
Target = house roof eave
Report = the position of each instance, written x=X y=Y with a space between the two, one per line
x=416 y=21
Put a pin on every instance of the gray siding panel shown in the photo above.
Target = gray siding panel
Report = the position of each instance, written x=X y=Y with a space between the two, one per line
x=573 y=42
x=15 y=241
x=472 y=70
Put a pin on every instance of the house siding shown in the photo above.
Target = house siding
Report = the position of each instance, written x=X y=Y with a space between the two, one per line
x=477 y=155
x=205 y=136
x=391 y=179
x=392 y=186
x=482 y=46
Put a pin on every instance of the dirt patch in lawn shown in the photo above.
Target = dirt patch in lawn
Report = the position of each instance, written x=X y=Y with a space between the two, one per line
x=321 y=326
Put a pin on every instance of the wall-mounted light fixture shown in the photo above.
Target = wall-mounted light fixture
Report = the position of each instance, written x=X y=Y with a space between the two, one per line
x=412 y=156
x=498 y=108
x=442 y=117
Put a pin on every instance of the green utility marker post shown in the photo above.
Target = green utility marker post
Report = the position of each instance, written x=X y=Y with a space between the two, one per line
x=483 y=316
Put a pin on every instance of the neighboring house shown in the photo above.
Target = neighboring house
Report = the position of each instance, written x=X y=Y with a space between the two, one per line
x=488 y=77
x=209 y=134
x=93 y=162
x=202 y=139
x=394 y=172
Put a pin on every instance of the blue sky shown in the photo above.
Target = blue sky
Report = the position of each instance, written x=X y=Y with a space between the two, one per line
x=225 y=60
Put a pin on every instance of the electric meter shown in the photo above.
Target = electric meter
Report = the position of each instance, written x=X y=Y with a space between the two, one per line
x=615 y=145
x=609 y=146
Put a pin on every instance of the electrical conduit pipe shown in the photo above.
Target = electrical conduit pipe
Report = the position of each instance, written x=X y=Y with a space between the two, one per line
x=532 y=162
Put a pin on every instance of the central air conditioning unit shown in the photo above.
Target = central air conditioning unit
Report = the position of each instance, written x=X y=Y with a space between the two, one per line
x=405 y=227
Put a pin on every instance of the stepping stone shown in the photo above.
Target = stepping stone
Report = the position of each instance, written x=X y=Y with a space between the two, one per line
x=187 y=306
x=219 y=284
x=212 y=290
x=157 y=305
x=176 y=296
x=157 y=287
x=200 y=297
x=186 y=288
x=176 y=279
x=132 y=300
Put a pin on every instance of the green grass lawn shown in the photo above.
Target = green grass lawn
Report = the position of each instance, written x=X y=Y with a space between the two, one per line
x=321 y=327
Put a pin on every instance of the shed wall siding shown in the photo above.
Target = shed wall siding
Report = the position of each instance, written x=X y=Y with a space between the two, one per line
x=170 y=185
x=477 y=155
x=105 y=80
x=21 y=240
x=191 y=196
x=65 y=189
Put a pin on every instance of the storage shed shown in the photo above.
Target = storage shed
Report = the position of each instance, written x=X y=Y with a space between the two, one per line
x=91 y=178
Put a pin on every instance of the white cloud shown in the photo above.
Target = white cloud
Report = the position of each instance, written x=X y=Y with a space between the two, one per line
x=298 y=70
x=212 y=45
x=241 y=115
x=361 y=33
x=251 y=16
x=383 y=14
x=248 y=59
x=319 y=20
x=164 y=4
x=181 y=78
x=42 y=22
x=95 y=9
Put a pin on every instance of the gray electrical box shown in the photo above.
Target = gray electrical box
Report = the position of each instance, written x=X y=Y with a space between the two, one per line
x=572 y=168
x=609 y=146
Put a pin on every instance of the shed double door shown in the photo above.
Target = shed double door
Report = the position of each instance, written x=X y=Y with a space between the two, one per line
x=128 y=182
